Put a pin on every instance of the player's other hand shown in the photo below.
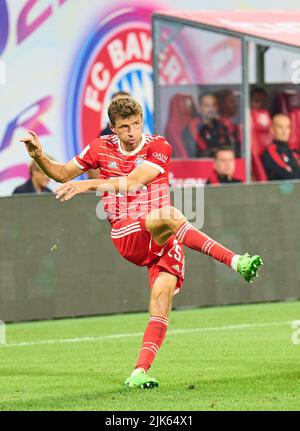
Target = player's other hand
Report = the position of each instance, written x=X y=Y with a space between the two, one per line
x=33 y=145
x=70 y=189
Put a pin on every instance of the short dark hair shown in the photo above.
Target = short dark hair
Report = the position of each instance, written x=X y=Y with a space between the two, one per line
x=258 y=89
x=222 y=148
x=223 y=93
x=123 y=107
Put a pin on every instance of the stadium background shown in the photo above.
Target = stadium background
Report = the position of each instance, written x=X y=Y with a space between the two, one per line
x=47 y=49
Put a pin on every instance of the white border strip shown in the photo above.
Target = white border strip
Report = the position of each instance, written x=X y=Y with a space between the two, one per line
x=77 y=164
x=140 y=334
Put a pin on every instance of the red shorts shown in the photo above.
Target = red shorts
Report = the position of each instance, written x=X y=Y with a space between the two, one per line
x=135 y=244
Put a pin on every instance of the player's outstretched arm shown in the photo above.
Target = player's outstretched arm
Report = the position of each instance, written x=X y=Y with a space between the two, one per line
x=61 y=172
x=137 y=179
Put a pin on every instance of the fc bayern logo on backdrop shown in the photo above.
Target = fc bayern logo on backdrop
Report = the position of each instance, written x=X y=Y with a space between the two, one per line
x=116 y=57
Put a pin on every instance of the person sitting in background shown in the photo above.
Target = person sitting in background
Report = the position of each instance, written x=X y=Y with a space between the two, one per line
x=227 y=105
x=223 y=167
x=107 y=129
x=37 y=182
x=208 y=133
x=280 y=161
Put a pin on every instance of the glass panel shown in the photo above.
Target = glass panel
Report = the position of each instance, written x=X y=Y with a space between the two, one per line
x=199 y=97
x=276 y=91
x=252 y=76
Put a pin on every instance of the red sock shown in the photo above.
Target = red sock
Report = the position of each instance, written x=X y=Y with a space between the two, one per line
x=152 y=340
x=197 y=240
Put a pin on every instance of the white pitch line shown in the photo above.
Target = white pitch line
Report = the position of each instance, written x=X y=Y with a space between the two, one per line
x=139 y=334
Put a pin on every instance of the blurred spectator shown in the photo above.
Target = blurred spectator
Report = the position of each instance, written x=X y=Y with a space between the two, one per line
x=288 y=102
x=224 y=167
x=182 y=112
x=37 y=182
x=107 y=130
x=208 y=133
x=280 y=161
x=259 y=98
x=228 y=108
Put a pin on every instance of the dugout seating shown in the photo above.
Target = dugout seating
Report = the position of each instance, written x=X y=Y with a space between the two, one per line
x=182 y=110
x=288 y=103
x=260 y=138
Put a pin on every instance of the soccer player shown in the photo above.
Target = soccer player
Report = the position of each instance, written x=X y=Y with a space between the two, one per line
x=146 y=229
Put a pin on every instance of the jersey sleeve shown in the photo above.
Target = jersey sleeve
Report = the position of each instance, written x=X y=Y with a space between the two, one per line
x=88 y=158
x=159 y=155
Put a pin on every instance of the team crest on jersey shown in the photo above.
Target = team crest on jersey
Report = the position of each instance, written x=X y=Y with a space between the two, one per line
x=138 y=161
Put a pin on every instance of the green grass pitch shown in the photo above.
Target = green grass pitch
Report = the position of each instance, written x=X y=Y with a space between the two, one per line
x=222 y=358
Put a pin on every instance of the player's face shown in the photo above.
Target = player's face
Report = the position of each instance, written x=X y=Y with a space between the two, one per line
x=225 y=163
x=129 y=131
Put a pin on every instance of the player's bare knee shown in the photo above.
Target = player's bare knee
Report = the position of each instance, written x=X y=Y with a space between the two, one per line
x=164 y=222
x=156 y=220
x=173 y=218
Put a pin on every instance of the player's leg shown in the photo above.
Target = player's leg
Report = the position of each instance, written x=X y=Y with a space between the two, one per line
x=160 y=306
x=164 y=222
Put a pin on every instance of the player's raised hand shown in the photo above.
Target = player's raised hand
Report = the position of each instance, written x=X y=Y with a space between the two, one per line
x=72 y=188
x=33 y=145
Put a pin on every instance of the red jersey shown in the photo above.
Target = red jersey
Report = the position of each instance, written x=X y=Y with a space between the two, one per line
x=107 y=154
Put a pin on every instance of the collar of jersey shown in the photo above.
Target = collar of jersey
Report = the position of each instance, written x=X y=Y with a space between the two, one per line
x=138 y=148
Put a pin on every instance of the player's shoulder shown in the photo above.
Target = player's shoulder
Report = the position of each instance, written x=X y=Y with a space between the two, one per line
x=157 y=140
x=105 y=142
